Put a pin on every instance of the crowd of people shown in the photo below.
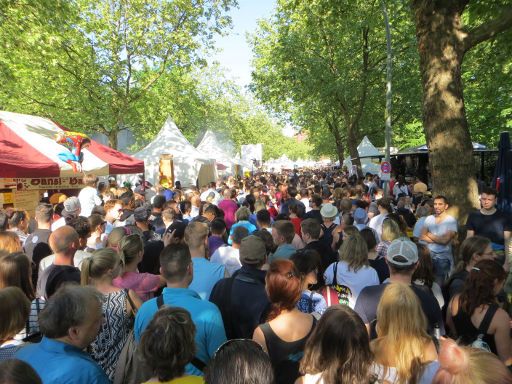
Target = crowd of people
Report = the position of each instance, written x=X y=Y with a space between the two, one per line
x=311 y=276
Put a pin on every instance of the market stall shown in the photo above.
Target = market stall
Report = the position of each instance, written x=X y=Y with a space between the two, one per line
x=32 y=160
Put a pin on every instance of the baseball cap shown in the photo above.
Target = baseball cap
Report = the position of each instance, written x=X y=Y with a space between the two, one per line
x=328 y=210
x=141 y=214
x=402 y=252
x=252 y=250
x=360 y=216
x=72 y=204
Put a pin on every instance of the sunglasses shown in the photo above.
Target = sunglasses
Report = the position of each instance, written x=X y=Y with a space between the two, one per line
x=232 y=341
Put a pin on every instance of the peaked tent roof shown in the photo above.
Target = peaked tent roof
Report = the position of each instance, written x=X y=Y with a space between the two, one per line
x=28 y=149
x=367 y=149
x=221 y=150
x=170 y=140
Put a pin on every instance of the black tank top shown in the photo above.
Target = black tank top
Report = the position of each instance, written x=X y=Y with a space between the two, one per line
x=285 y=356
x=468 y=333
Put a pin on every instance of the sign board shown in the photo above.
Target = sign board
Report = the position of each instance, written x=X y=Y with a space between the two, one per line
x=385 y=167
x=26 y=200
x=27 y=184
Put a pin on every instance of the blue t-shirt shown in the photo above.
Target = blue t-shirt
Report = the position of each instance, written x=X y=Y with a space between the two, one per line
x=284 y=251
x=59 y=362
x=206 y=275
x=250 y=227
x=206 y=316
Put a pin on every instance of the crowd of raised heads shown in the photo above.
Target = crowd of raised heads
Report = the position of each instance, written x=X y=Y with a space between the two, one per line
x=310 y=276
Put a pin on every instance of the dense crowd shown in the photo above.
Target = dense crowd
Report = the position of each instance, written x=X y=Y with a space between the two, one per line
x=304 y=277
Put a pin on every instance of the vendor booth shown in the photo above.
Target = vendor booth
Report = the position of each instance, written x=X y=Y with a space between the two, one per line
x=189 y=166
x=31 y=160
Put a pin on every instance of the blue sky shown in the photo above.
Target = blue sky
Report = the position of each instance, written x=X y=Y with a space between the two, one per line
x=234 y=52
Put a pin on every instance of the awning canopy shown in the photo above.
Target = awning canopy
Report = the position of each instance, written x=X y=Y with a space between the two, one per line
x=28 y=149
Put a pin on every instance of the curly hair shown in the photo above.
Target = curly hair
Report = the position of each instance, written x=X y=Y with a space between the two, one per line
x=168 y=345
x=479 y=286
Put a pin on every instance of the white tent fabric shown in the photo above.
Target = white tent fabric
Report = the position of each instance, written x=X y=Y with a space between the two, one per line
x=366 y=150
x=189 y=163
x=222 y=150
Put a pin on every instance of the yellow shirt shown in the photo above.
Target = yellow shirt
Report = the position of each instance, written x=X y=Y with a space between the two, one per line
x=180 y=380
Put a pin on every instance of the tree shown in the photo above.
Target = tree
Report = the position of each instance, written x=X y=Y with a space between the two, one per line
x=89 y=64
x=443 y=40
x=321 y=64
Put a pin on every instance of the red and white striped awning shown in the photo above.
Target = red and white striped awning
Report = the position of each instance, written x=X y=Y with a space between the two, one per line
x=28 y=149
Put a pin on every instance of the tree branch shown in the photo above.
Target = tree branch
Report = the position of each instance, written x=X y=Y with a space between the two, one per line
x=489 y=29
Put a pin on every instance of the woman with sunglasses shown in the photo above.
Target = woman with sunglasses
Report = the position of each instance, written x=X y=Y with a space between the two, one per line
x=168 y=345
x=287 y=329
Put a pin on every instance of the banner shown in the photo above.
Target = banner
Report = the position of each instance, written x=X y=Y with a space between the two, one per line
x=25 y=184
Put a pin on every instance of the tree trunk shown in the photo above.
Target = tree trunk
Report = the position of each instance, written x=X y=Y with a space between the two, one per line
x=112 y=139
x=352 y=148
x=441 y=49
x=340 y=149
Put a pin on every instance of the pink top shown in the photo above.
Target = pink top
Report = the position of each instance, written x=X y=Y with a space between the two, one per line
x=229 y=207
x=142 y=283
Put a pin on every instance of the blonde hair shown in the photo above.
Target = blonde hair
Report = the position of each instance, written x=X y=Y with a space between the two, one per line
x=354 y=252
x=466 y=365
x=10 y=242
x=130 y=247
x=390 y=230
x=15 y=310
x=101 y=261
x=401 y=327
x=195 y=234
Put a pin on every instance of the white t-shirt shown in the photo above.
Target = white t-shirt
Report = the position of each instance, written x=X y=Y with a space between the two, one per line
x=400 y=190
x=376 y=224
x=89 y=198
x=416 y=232
x=390 y=374
x=440 y=229
x=227 y=256
x=313 y=379
x=305 y=201
x=354 y=281
x=58 y=223
x=77 y=260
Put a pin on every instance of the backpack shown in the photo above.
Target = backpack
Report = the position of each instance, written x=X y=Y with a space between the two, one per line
x=336 y=293
x=327 y=236
x=34 y=337
x=483 y=328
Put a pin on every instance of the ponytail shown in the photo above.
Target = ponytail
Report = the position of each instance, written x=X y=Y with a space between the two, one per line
x=85 y=272
x=101 y=261
x=129 y=248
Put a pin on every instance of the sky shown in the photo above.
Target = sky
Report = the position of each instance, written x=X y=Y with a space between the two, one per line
x=234 y=51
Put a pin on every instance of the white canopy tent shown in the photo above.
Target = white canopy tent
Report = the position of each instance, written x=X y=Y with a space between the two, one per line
x=189 y=164
x=366 y=151
x=221 y=149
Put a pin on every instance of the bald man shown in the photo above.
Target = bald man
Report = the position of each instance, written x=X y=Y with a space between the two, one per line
x=196 y=205
x=58 y=268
